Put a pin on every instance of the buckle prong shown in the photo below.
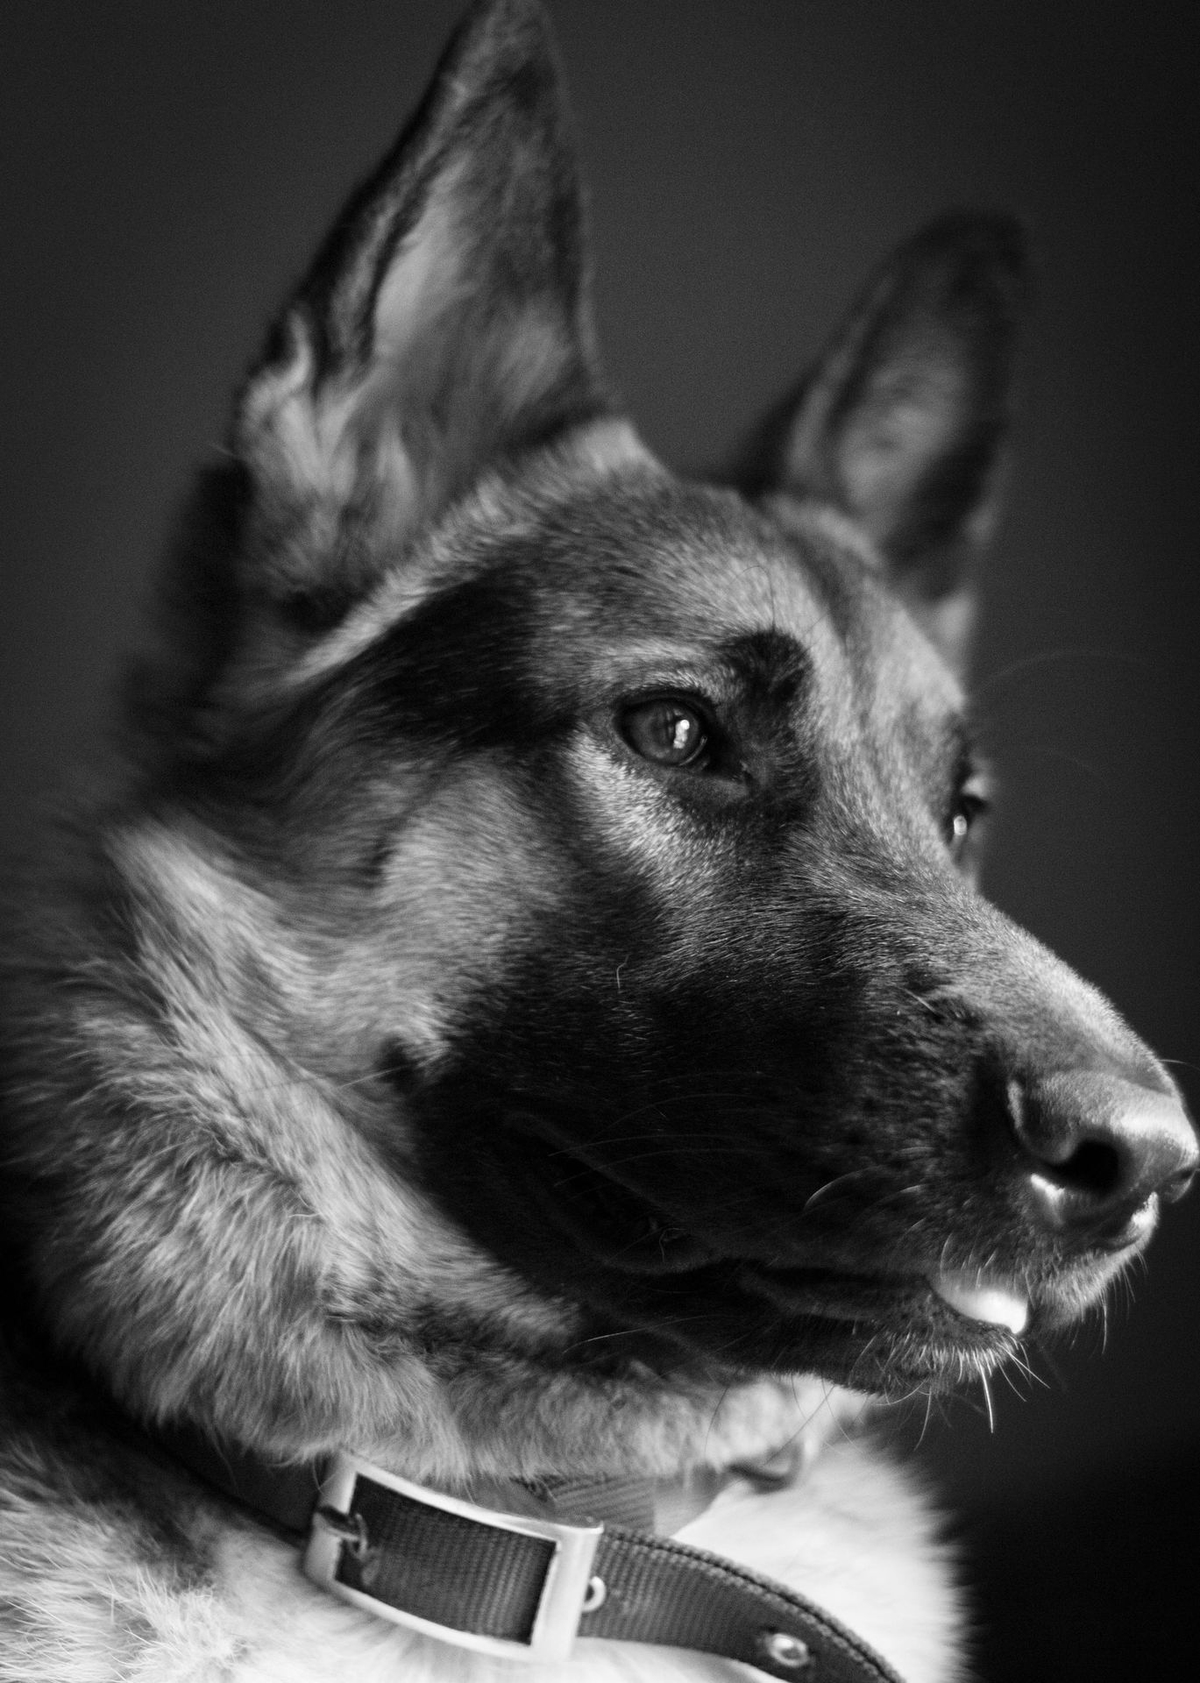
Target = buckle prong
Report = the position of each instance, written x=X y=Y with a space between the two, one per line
x=351 y=1528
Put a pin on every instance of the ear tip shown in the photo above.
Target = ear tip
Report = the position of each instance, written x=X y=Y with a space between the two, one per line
x=494 y=27
x=994 y=239
x=996 y=233
x=503 y=51
x=506 y=14
x=982 y=257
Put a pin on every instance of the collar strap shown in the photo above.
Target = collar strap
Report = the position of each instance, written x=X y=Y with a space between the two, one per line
x=523 y=1585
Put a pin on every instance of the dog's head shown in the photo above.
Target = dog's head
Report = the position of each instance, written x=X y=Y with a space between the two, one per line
x=598 y=846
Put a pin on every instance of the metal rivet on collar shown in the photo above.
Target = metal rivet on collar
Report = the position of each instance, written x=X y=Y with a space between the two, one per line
x=786 y=1650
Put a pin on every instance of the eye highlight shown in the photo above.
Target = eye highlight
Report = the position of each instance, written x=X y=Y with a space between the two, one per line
x=666 y=731
x=968 y=806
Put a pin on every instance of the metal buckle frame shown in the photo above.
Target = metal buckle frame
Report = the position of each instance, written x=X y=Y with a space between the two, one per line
x=564 y=1591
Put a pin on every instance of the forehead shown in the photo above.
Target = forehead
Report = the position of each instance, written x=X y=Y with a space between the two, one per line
x=637 y=578
x=673 y=575
x=685 y=563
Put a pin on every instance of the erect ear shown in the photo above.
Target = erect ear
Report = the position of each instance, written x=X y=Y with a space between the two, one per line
x=443 y=326
x=902 y=426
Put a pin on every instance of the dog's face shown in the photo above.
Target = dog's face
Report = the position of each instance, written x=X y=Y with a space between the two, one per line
x=599 y=846
x=664 y=813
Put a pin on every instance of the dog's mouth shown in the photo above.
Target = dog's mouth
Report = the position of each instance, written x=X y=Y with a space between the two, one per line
x=874 y=1330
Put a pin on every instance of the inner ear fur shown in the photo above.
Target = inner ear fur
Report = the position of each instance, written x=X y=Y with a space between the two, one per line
x=903 y=423
x=443 y=327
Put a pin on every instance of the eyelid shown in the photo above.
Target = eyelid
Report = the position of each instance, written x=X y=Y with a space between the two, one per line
x=972 y=769
x=680 y=687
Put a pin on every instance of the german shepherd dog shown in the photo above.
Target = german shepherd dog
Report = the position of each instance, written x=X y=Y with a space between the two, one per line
x=523 y=1020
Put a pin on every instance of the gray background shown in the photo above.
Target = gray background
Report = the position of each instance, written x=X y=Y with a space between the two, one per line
x=166 y=170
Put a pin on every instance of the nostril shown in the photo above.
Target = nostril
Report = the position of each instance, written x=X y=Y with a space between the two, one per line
x=1094 y=1167
x=1099 y=1148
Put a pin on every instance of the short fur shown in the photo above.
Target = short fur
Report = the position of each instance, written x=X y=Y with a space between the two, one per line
x=524 y=1009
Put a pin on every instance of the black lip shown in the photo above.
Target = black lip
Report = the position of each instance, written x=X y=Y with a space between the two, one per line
x=626 y=1232
x=838 y=1295
x=905 y=1305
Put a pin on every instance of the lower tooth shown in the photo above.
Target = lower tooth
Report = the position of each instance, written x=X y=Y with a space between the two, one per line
x=984 y=1300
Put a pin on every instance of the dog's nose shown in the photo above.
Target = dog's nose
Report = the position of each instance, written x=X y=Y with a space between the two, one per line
x=1099 y=1151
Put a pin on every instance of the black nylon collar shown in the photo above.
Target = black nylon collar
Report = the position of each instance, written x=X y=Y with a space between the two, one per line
x=468 y=1577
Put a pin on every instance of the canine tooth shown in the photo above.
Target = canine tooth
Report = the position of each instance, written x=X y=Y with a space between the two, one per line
x=980 y=1299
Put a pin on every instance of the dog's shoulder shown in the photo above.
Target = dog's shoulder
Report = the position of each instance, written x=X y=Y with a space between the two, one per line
x=105 y=1564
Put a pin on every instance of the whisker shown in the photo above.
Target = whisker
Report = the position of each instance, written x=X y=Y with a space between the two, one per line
x=1058 y=657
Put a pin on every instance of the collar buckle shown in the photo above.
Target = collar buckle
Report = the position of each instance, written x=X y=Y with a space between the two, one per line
x=498 y=1583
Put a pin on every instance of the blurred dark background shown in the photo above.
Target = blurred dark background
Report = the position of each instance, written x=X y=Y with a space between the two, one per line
x=166 y=170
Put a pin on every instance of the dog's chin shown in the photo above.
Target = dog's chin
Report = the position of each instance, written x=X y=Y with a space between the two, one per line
x=880 y=1334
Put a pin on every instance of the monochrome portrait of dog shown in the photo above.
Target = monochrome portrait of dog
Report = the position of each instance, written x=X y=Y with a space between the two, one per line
x=512 y=1086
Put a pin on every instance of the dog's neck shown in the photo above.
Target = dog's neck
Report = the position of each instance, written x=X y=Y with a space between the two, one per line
x=283 y=1495
x=456 y=1569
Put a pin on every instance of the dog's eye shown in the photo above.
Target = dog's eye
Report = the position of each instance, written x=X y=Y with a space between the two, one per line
x=970 y=804
x=666 y=731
